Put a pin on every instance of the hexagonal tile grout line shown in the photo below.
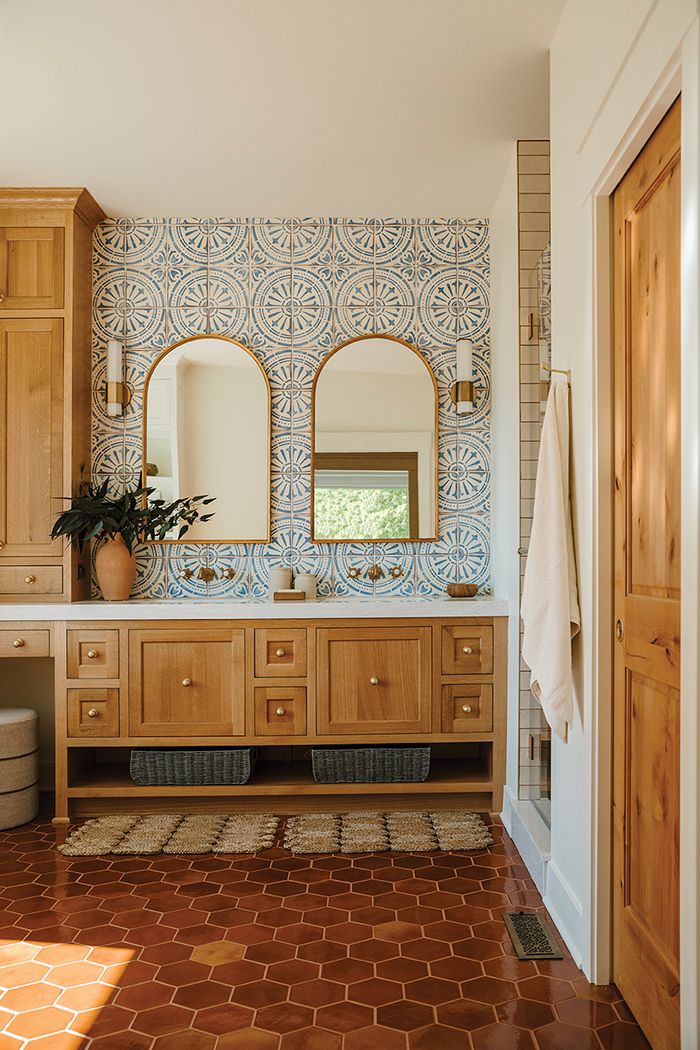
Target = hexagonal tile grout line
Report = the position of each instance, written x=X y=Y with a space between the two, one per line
x=281 y=952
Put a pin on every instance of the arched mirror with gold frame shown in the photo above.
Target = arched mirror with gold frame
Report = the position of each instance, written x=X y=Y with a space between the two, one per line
x=374 y=419
x=206 y=431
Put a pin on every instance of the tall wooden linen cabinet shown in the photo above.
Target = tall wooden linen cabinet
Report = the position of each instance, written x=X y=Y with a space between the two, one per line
x=45 y=383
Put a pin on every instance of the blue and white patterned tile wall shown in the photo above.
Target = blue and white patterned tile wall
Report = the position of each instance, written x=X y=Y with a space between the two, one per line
x=292 y=289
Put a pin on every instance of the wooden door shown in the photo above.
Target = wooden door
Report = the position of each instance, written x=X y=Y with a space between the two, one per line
x=646 y=213
x=373 y=680
x=31 y=435
x=31 y=268
x=186 y=682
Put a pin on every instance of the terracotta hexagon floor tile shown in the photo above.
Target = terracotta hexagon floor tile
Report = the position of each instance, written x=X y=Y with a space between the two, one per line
x=270 y=952
x=397 y=931
x=15 y=976
x=162 y=1020
x=405 y=1015
x=143 y=996
x=455 y=968
x=317 y=993
x=344 y=1017
x=189 y=1040
x=75 y=973
x=260 y=993
x=501 y=1037
x=311 y=1039
x=402 y=969
x=111 y=1019
x=284 y=1017
x=374 y=951
x=33 y=996
x=185 y=972
x=375 y=1038
x=323 y=951
x=204 y=993
x=217 y=952
x=585 y=1012
x=545 y=989
x=294 y=971
x=465 y=1015
x=437 y=1035
x=525 y=1013
x=375 y=992
x=621 y=1036
x=347 y=971
x=43 y=1021
x=602 y=993
x=248 y=1039
x=489 y=990
x=433 y=990
x=560 y=1036
x=425 y=948
x=222 y=1019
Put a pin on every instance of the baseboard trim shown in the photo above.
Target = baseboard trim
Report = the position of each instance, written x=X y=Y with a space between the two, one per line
x=567 y=912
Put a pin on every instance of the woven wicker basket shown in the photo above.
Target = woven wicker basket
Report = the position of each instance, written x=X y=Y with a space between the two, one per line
x=370 y=765
x=231 y=765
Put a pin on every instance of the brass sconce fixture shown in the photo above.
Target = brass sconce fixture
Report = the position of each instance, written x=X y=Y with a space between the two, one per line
x=117 y=393
x=463 y=393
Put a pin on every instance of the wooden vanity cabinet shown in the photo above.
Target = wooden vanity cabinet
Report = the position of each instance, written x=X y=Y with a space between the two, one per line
x=45 y=383
x=284 y=686
x=186 y=683
x=373 y=680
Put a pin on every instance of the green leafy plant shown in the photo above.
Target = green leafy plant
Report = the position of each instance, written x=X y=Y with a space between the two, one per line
x=94 y=514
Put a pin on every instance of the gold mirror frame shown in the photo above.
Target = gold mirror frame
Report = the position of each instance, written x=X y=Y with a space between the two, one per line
x=144 y=423
x=426 y=364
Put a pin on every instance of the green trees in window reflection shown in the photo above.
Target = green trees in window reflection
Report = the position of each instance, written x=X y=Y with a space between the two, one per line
x=363 y=513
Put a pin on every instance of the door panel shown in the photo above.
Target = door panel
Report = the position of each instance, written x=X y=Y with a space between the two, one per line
x=646 y=700
x=374 y=680
x=31 y=423
x=31 y=268
x=186 y=683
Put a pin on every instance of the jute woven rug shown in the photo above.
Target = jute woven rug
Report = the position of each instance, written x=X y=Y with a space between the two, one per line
x=248 y=833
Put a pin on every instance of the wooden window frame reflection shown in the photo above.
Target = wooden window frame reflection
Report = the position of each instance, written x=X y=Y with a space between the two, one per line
x=144 y=444
x=368 y=461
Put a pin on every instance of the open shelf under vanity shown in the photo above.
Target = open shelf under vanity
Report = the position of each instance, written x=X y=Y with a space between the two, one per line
x=459 y=775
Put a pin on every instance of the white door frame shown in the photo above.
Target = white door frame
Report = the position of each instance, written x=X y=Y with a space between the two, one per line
x=681 y=75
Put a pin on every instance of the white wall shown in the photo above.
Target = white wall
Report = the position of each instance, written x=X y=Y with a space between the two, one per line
x=505 y=416
x=223 y=448
x=615 y=68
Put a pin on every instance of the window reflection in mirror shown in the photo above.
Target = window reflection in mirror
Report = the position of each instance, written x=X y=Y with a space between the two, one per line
x=375 y=434
x=207 y=432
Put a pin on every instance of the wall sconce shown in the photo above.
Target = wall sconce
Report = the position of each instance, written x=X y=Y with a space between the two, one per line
x=117 y=393
x=463 y=393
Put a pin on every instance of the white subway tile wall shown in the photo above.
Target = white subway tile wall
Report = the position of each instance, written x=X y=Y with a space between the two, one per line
x=534 y=270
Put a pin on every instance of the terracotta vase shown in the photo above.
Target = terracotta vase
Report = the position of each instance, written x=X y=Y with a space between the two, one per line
x=115 y=569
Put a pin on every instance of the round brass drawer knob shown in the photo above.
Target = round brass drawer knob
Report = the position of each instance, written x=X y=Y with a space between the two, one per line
x=467 y=709
x=1 y=545
x=93 y=712
x=186 y=682
x=281 y=711
x=2 y=297
x=280 y=652
x=30 y=579
x=92 y=653
x=18 y=643
x=374 y=680
x=467 y=649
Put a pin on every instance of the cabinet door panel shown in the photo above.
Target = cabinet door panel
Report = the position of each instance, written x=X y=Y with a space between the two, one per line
x=374 y=680
x=186 y=682
x=31 y=428
x=31 y=268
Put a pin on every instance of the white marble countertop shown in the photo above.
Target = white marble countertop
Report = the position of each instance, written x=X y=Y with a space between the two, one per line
x=226 y=609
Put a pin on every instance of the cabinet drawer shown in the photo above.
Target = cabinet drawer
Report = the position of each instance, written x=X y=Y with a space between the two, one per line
x=93 y=654
x=467 y=650
x=467 y=708
x=186 y=682
x=374 y=680
x=25 y=643
x=93 y=712
x=31 y=579
x=280 y=653
x=280 y=711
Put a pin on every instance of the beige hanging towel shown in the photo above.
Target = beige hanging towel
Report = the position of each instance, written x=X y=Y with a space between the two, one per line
x=549 y=606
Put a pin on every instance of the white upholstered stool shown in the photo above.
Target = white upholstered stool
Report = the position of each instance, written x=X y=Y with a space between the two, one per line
x=19 y=766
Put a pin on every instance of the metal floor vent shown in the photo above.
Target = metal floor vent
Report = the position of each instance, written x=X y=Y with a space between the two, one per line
x=531 y=936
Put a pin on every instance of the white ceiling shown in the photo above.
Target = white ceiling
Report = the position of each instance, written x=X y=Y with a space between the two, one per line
x=272 y=107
